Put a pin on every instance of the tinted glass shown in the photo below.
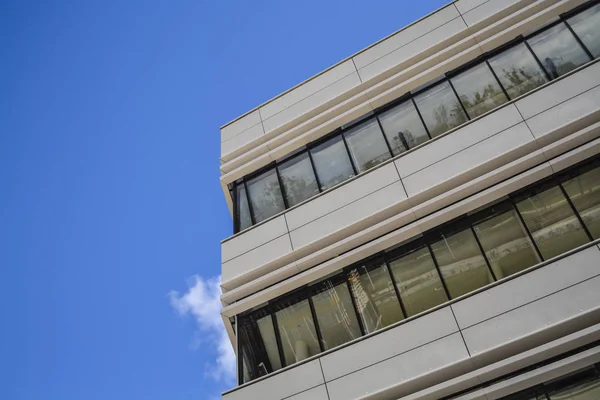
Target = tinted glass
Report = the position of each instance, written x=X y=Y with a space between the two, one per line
x=584 y=385
x=298 y=179
x=552 y=222
x=440 y=109
x=506 y=244
x=367 y=145
x=584 y=192
x=403 y=127
x=243 y=212
x=332 y=162
x=418 y=281
x=375 y=296
x=258 y=346
x=297 y=331
x=517 y=70
x=461 y=263
x=558 y=50
x=265 y=195
x=478 y=90
x=335 y=315
x=585 y=25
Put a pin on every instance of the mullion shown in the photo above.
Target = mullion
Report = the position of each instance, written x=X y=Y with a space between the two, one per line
x=315 y=320
x=239 y=354
x=282 y=189
x=459 y=100
x=354 y=168
x=420 y=116
x=538 y=61
x=250 y=208
x=396 y=290
x=498 y=80
x=583 y=46
x=385 y=137
x=277 y=338
x=564 y=192
x=437 y=267
x=314 y=169
x=483 y=253
x=358 y=315
x=535 y=246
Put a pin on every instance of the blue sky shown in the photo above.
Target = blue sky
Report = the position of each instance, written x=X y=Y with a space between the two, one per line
x=110 y=207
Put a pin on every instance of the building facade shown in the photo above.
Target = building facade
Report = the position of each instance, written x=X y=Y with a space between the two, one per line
x=422 y=219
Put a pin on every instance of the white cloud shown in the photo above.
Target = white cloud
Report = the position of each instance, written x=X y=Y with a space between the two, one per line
x=202 y=302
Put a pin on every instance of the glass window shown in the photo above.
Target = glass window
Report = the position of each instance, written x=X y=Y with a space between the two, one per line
x=265 y=195
x=298 y=179
x=582 y=385
x=558 y=50
x=242 y=209
x=584 y=192
x=258 y=346
x=297 y=330
x=367 y=145
x=517 y=70
x=440 y=109
x=375 y=296
x=461 y=263
x=506 y=244
x=478 y=90
x=332 y=162
x=418 y=281
x=335 y=314
x=403 y=127
x=552 y=222
x=585 y=25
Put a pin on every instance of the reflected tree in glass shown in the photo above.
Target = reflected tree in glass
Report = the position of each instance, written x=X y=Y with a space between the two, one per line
x=332 y=162
x=461 y=263
x=403 y=127
x=375 y=296
x=265 y=195
x=297 y=331
x=584 y=192
x=418 y=281
x=335 y=314
x=242 y=209
x=552 y=222
x=478 y=90
x=367 y=145
x=440 y=109
x=506 y=244
x=298 y=178
x=517 y=70
x=558 y=51
x=585 y=25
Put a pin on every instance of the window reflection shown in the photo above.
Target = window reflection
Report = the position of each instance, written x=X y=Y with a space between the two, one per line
x=298 y=179
x=297 y=331
x=243 y=211
x=585 y=26
x=558 y=50
x=478 y=90
x=265 y=195
x=375 y=296
x=506 y=244
x=258 y=345
x=584 y=192
x=517 y=70
x=335 y=314
x=582 y=385
x=403 y=127
x=440 y=109
x=461 y=263
x=332 y=162
x=367 y=145
x=418 y=281
x=552 y=222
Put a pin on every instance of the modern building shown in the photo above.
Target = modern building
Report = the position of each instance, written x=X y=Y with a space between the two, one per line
x=422 y=219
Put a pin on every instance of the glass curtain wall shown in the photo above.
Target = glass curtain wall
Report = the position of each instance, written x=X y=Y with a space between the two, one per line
x=469 y=253
x=412 y=120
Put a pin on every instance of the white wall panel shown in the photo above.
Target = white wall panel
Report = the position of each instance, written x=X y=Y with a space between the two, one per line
x=244 y=123
x=394 y=371
x=240 y=140
x=343 y=195
x=388 y=344
x=249 y=240
x=282 y=385
x=318 y=393
x=527 y=288
x=490 y=8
